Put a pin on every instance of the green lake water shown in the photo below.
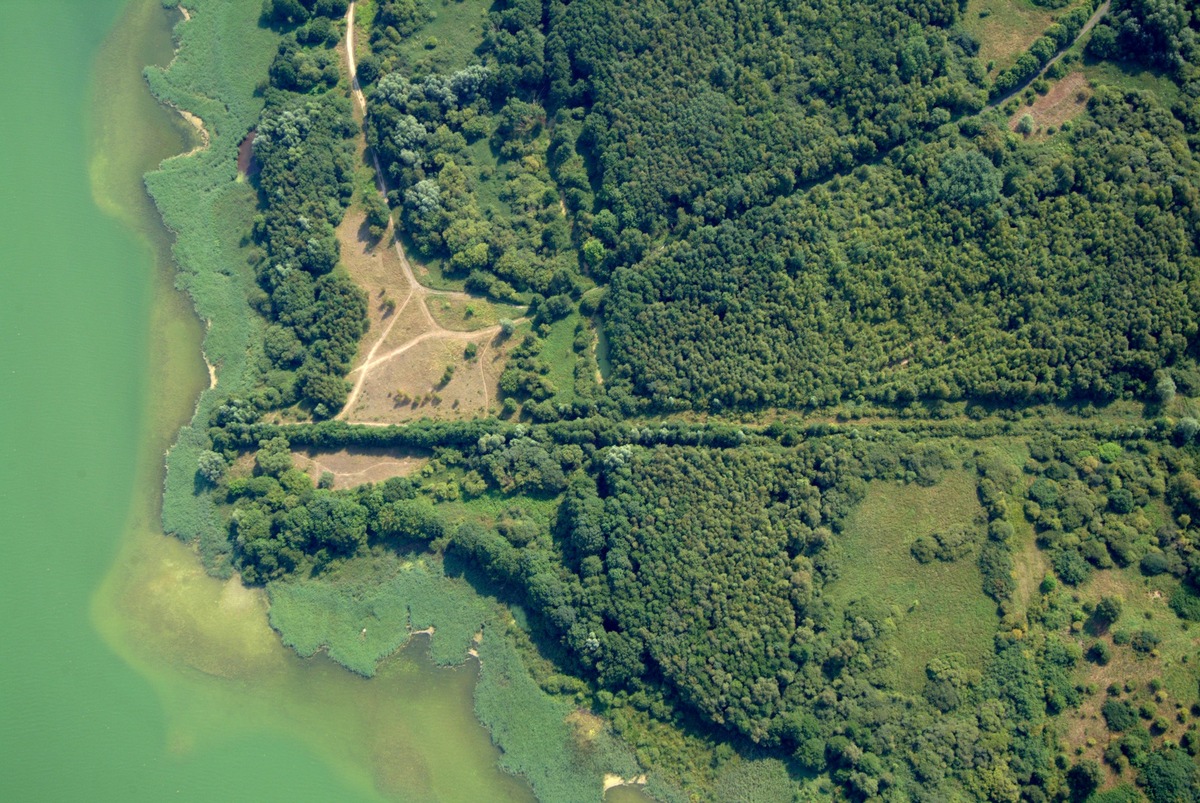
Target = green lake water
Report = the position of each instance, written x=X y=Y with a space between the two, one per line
x=126 y=673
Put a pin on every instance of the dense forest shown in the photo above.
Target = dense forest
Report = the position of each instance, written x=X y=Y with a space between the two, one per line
x=975 y=270
x=880 y=457
x=688 y=568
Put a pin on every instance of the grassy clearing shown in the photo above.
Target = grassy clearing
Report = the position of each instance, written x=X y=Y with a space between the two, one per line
x=491 y=505
x=558 y=350
x=1173 y=663
x=487 y=189
x=223 y=55
x=940 y=606
x=468 y=315
x=448 y=41
x=1066 y=100
x=1005 y=28
x=1132 y=77
x=429 y=272
x=352 y=467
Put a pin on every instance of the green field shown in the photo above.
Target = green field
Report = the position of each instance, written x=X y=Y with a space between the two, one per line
x=938 y=607
x=448 y=41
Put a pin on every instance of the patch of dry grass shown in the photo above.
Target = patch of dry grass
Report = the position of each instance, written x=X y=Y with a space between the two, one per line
x=409 y=386
x=1006 y=28
x=351 y=467
x=1066 y=99
x=469 y=314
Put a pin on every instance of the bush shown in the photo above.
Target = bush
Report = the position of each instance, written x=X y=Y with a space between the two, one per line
x=1154 y=563
x=1118 y=715
x=1071 y=567
x=1144 y=641
x=211 y=466
x=1099 y=654
x=1169 y=775
x=1186 y=603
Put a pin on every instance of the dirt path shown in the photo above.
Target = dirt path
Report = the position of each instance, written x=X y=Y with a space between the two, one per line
x=1087 y=26
x=416 y=291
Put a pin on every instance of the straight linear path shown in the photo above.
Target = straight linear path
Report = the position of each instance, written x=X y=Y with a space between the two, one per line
x=416 y=290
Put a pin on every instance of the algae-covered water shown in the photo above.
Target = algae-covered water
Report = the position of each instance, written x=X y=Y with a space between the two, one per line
x=126 y=673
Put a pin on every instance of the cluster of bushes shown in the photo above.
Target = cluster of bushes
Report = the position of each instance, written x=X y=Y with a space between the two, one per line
x=428 y=132
x=1159 y=33
x=1089 y=504
x=296 y=12
x=304 y=146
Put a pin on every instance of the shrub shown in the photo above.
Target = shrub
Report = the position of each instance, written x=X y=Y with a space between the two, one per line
x=1186 y=603
x=1118 y=715
x=211 y=466
x=1154 y=563
x=1100 y=653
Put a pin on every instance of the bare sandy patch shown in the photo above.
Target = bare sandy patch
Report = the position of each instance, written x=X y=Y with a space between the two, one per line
x=410 y=385
x=1066 y=99
x=611 y=780
x=376 y=268
x=351 y=467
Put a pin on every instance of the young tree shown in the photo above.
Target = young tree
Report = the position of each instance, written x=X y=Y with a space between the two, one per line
x=211 y=466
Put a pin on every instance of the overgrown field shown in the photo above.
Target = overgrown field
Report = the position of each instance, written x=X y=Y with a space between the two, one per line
x=937 y=606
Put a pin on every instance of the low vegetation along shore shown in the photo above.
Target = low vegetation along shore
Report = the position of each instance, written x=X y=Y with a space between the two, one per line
x=888 y=487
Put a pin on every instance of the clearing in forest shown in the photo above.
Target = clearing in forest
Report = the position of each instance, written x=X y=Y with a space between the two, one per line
x=414 y=363
x=427 y=353
x=1006 y=28
x=352 y=467
x=1066 y=99
x=1134 y=664
x=939 y=607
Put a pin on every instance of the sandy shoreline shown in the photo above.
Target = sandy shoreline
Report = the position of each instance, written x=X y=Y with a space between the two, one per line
x=611 y=780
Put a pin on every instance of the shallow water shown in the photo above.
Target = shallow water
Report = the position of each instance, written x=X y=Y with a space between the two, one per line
x=128 y=674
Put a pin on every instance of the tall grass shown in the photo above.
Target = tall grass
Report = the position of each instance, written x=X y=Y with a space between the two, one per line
x=388 y=597
x=938 y=607
x=223 y=55
x=448 y=42
x=532 y=728
x=368 y=608
x=559 y=353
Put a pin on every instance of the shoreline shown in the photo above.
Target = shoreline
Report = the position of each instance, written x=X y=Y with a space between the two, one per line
x=612 y=780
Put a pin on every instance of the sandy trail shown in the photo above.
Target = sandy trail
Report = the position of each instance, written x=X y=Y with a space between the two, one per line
x=416 y=290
